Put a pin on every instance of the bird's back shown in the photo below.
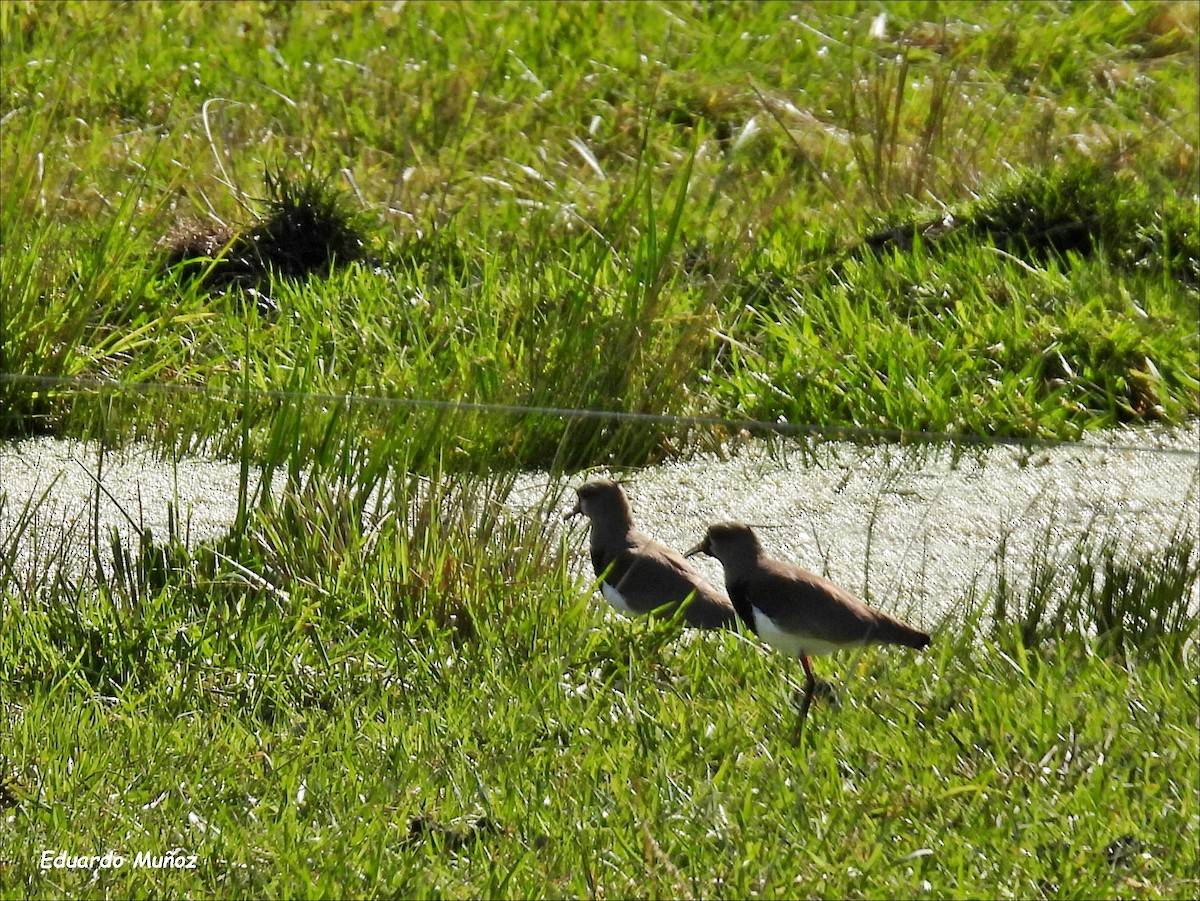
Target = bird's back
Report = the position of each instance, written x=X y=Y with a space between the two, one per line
x=801 y=602
x=649 y=575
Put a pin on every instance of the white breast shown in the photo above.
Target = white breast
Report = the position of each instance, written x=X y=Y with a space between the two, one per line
x=616 y=599
x=789 y=642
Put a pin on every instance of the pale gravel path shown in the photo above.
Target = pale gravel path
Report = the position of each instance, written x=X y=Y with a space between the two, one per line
x=204 y=493
x=935 y=523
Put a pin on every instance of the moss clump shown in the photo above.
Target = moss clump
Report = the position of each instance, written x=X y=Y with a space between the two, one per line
x=309 y=229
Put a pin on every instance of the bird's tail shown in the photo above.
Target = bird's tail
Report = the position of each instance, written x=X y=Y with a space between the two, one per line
x=892 y=631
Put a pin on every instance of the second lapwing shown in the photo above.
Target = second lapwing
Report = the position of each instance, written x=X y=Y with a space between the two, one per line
x=793 y=610
x=638 y=574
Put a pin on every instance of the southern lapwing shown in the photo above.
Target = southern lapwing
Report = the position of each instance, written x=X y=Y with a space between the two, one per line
x=638 y=574
x=793 y=610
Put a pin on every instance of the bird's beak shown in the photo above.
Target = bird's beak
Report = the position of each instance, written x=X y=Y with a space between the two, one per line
x=701 y=548
x=574 y=511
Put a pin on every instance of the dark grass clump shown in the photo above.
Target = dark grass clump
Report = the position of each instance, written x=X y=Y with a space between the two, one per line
x=1055 y=213
x=309 y=230
x=1081 y=209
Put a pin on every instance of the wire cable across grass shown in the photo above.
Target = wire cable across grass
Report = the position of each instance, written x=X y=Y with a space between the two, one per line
x=79 y=384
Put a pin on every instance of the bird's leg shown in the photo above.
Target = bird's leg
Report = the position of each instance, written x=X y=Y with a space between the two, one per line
x=825 y=690
x=810 y=683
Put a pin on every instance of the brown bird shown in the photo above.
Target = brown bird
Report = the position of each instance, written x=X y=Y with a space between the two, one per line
x=638 y=574
x=793 y=610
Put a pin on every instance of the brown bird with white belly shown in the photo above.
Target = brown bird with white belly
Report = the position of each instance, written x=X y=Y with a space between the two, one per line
x=641 y=575
x=793 y=610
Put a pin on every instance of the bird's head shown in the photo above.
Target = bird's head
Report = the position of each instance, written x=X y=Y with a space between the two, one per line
x=603 y=500
x=729 y=542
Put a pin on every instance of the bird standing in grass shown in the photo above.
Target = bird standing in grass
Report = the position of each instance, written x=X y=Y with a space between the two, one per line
x=638 y=574
x=793 y=610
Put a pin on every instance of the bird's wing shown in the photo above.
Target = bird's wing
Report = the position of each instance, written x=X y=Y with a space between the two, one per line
x=654 y=575
x=800 y=601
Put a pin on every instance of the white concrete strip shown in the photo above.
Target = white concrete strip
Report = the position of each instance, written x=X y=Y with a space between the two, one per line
x=909 y=529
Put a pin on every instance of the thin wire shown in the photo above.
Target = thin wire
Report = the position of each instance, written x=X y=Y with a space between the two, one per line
x=81 y=383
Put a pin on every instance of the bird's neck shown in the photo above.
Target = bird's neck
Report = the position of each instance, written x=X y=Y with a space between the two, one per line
x=738 y=595
x=611 y=533
x=740 y=570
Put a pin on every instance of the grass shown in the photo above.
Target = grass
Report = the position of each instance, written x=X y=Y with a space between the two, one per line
x=386 y=681
x=378 y=712
x=990 y=345
x=662 y=209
